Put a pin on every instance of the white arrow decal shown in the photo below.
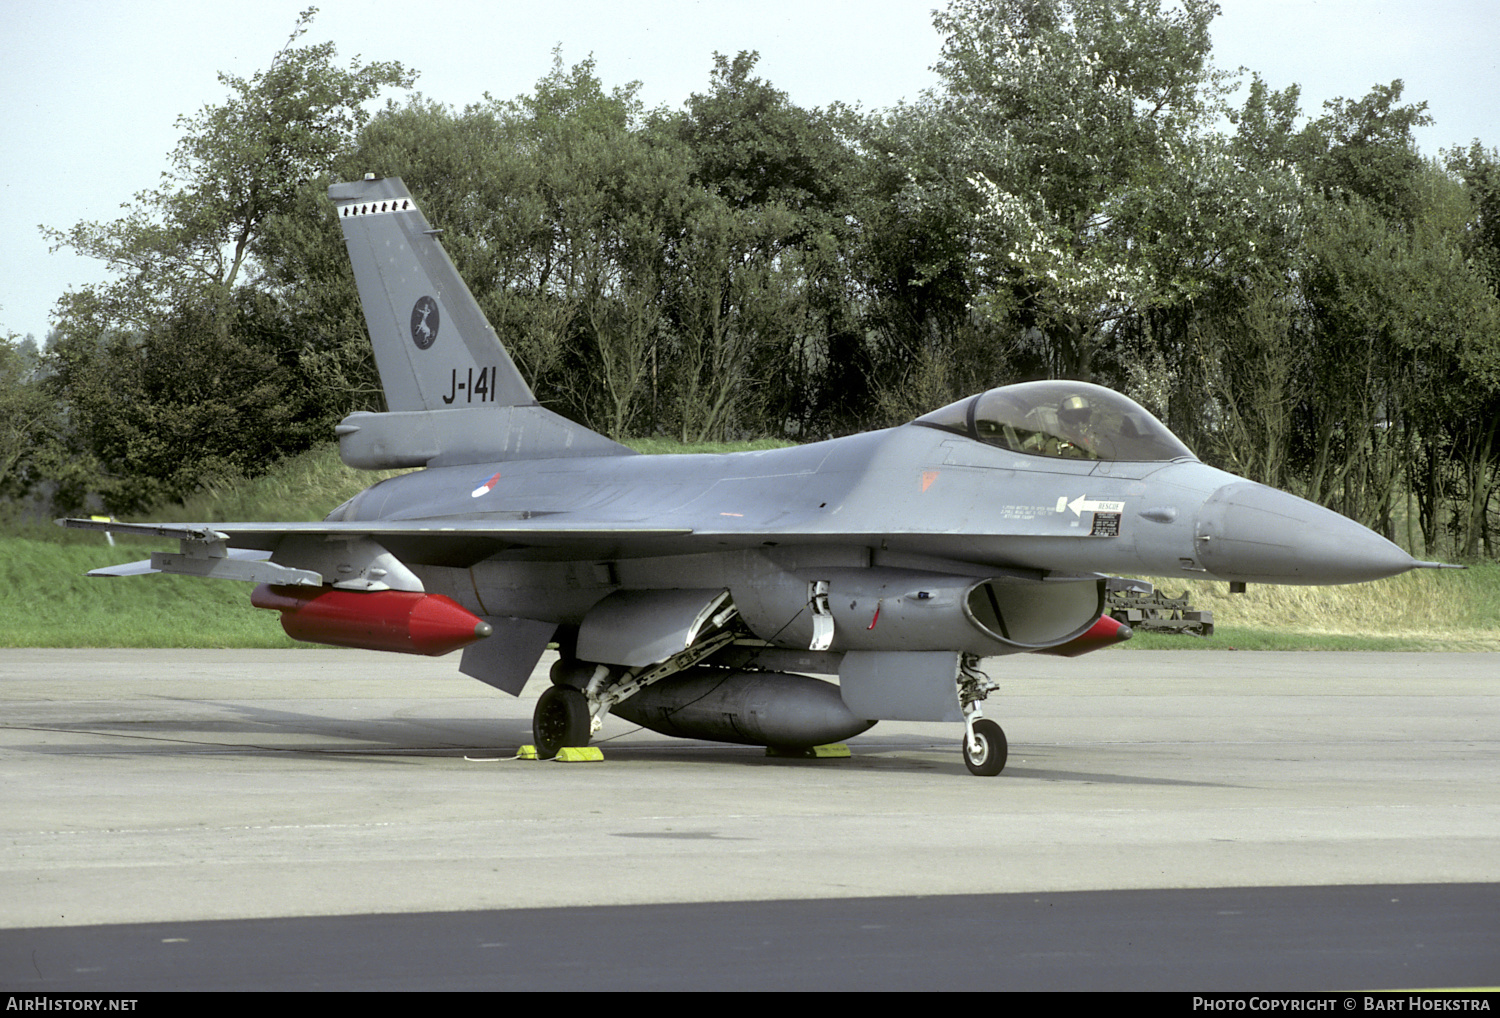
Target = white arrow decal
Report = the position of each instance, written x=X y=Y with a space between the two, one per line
x=1083 y=504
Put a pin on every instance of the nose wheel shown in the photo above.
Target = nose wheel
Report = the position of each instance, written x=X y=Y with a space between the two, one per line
x=985 y=748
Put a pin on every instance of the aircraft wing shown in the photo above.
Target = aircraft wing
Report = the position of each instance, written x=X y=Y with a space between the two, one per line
x=266 y=536
x=241 y=551
x=305 y=552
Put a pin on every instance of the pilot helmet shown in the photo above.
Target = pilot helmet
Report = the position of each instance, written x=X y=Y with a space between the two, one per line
x=1075 y=410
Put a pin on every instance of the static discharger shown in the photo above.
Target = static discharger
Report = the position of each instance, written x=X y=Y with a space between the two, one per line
x=404 y=621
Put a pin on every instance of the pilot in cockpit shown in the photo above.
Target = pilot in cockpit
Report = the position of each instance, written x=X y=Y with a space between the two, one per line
x=1066 y=430
x=1078 y=437
x=1071 y=420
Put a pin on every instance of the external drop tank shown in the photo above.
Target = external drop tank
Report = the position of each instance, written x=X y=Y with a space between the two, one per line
x=749 y=708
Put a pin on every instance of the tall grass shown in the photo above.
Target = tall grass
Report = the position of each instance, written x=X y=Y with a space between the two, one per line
x=47 y=601
x=302 y=489
x=1426 y=609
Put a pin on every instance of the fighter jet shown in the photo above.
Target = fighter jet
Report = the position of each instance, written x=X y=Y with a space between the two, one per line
x=700 y=595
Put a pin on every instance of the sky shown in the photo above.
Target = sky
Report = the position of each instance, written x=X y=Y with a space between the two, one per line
x=91 y=89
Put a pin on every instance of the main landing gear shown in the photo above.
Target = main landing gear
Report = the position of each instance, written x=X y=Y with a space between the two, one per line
x=582 y=692
x=985 y=748
x=562 y=718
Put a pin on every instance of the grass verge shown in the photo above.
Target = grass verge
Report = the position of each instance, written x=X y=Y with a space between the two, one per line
x=47 y=601
x=1423 y=610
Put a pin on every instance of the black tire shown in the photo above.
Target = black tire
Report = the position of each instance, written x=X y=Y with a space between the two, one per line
x=990 y=759
x=561 y=719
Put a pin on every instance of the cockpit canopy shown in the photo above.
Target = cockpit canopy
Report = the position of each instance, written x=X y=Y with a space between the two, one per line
x=1066 y=420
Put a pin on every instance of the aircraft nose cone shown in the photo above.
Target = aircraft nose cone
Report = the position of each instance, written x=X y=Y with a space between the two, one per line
x=1247 y=531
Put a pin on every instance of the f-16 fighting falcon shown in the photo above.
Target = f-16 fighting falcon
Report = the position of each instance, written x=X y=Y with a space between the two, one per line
x=699 y=595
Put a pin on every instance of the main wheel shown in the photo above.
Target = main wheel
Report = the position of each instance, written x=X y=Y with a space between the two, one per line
x=989 y=759
x=561 y=719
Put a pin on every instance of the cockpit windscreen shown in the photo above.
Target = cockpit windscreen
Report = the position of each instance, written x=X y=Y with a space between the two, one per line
x=1062 y=419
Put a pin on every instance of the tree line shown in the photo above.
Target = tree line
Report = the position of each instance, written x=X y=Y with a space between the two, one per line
x=1301 y=295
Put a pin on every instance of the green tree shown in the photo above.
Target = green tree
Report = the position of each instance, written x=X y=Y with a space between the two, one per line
x=763 y=326
x=164 y=410
x=1076 y=135
x=128 y=362
x=916 y=274
x=1235 y=349
x=605 y=198
x=1364 y=149
x=1401 y=363
x=238 y=164
x=28 y=415
x=1397 y=357
x=1479 y=169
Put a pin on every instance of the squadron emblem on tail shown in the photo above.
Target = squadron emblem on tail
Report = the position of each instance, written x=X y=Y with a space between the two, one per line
x=424 y=322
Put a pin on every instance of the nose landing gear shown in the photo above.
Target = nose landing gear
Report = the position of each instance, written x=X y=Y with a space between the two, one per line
x=985 y=748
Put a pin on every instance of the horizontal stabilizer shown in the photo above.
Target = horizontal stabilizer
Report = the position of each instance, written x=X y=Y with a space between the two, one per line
x=141 y=568
x=148 y=566
x=437 y=438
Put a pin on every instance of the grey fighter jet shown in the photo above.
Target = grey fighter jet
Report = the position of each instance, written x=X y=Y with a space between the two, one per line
x=699 y=595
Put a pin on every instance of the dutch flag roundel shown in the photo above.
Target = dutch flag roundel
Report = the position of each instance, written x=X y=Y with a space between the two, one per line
x=486 y=487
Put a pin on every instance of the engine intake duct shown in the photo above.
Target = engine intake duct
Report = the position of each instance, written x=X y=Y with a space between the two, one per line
x=748 y=708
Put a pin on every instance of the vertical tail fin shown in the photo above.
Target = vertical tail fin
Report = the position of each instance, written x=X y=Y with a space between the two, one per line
x=453 y=392
x=433 y=346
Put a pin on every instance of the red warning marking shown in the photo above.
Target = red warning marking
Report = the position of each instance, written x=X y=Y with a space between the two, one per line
x=928 y=476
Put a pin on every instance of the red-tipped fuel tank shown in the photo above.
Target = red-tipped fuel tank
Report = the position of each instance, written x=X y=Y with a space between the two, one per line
x=403 y=621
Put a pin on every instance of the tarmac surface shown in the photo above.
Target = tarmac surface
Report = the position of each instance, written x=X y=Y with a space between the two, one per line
x=148 y=787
